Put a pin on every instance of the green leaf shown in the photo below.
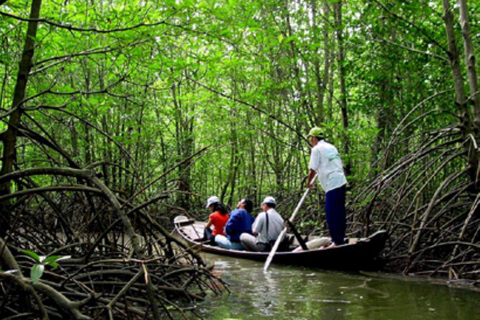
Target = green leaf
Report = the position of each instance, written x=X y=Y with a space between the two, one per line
x=32 y=254
x=292 y=38
x=36 y=272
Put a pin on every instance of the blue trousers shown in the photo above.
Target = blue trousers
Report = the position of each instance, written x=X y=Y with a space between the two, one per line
x=335 y=212
x=225 y=243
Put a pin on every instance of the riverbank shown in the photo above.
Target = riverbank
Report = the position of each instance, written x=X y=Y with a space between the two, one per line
x=458 y=284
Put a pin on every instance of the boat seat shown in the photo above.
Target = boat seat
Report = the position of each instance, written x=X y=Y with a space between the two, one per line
x=183 y=221
x=189 y=227
x=193 y=232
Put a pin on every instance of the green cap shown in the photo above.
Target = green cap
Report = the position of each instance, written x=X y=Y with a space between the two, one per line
x=316 y=132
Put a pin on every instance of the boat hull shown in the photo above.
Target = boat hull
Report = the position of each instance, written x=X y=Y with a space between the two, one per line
x=360 y=254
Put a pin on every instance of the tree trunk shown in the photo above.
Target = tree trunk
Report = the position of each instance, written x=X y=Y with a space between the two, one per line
x=328 y=58
x=474 y=157
x=341 y=76
x=10 y=137
x=321 y=79
x=454 y=59
x=185 y=144
x=470 y=62
x=294 y=57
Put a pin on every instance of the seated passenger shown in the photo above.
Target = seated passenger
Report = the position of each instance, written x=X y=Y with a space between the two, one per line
x=240 y=221
x=267 y=227
x=218 y=219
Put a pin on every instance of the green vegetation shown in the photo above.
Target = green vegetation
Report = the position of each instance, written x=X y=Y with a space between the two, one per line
x=41 y=262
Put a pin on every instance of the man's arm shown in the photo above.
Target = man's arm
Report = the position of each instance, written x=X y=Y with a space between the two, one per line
x=313 y=165
x=257 y=225
x=311 y=174
x=209 y=223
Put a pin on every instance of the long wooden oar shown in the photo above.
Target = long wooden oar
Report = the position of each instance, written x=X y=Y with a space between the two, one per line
x=284 y=231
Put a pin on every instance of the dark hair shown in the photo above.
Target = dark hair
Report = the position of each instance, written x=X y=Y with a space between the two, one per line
x=219 y=207
x=248 y=205
x=271 y=205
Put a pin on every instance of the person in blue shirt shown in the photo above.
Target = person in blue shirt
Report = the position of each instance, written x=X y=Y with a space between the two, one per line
x=240 y=221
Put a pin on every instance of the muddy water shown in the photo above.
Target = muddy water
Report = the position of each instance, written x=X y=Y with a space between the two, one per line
x=287 y=292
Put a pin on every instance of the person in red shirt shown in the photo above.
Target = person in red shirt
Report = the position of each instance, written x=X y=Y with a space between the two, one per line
x=218 y=219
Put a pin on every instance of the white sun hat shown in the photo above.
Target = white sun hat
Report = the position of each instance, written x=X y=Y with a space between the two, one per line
x=211 y=200
x=270 y=200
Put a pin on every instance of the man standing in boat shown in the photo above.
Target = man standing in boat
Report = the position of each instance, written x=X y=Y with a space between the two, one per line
x=325 y=161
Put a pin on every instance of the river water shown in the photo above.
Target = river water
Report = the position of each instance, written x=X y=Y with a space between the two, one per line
x=288 y=292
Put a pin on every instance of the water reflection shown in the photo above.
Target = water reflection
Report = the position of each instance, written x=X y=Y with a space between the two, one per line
x=287 y=292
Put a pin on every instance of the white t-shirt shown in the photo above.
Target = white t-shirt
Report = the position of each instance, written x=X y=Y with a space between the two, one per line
x=326 y=162
x=275 y=226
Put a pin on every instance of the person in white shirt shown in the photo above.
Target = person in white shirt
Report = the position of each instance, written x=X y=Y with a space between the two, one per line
x=325 y=161
x=267 y=227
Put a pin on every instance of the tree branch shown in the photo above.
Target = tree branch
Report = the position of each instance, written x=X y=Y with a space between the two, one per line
x=413 y=50
x=50 y=189
x=423 y=32
x=93 y=30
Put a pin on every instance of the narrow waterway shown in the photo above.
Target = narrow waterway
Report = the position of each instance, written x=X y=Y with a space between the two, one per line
x=288 y=292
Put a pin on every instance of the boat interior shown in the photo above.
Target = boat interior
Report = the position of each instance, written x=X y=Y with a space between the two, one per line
x=194 y=231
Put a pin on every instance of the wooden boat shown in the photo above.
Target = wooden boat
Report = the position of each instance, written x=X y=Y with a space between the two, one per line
x=358 y=253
